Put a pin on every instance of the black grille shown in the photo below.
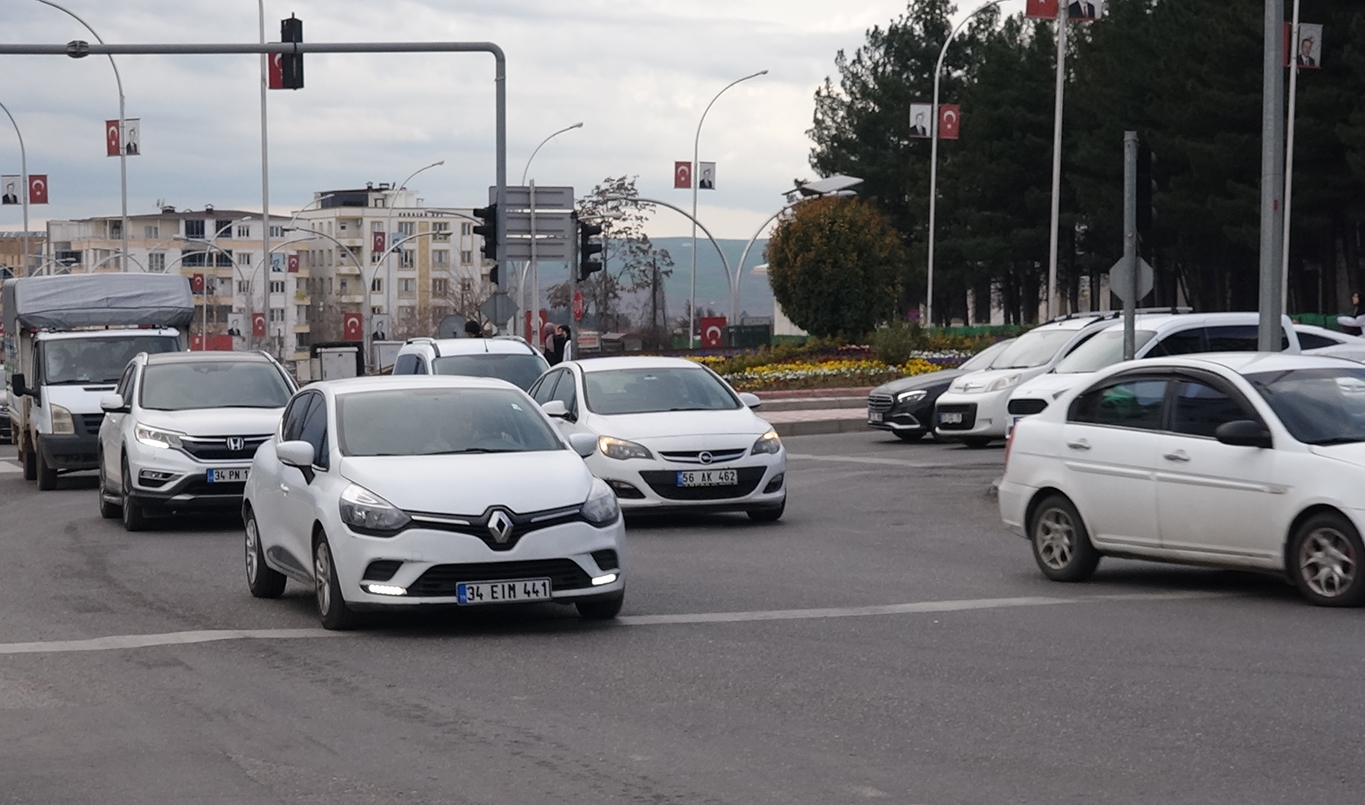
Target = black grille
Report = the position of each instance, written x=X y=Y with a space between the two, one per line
x=694 y=456
x=665 y=485
x=1026 y=407
x=201 y=486
x=968 y=411
x=90 y=423
x=879 y=402
x=477 y=525
x=625 y=491
x=564 y=574
x=381 y=570
x=606 y=559
x=216 y=449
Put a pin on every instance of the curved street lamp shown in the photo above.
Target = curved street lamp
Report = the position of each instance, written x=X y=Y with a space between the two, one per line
x=23 y=179
x=531 y=300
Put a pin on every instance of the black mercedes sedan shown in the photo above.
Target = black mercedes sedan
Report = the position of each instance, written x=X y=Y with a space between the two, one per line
x=906 y=406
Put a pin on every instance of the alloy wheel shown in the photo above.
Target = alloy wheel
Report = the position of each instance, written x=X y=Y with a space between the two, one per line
x=322 y=574
x=252 y=540
x=1055 y=534
x=1327 y=562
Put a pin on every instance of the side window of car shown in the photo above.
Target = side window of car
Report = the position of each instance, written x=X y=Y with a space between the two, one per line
x=1133 y=403
x=1181 y=342
x=292 y=421
x=125 y=384
x=566 y=392
x=1314 y=341
x=1199 y=408
x=1233 y=338
x=314 y=430
x=405 y=365
x=544 y=389
x=421 y=366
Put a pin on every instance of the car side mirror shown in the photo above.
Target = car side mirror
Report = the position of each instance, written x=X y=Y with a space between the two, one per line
x=21 y=389
x=113 y=404
x=297 y=453
x=583 y=443
x=750 y=400
x=555 y=408
x=1244 y=433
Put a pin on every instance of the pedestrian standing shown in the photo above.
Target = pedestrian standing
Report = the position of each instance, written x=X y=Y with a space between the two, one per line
x=472 y=329
x=1354 y=323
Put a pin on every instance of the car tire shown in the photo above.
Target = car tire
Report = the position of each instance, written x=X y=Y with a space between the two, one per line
x=1061 y=545
x=108 y=510
x=134 y=518
x=770 y=514
x=910 y=436
x=263 y=580
x=47 y=475
x=332 y=609
x=1324 y=561
x=601 y=609
x=976 y=442
x=30 y=463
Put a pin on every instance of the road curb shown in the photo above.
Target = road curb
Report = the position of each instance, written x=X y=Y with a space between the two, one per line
x=820 y=426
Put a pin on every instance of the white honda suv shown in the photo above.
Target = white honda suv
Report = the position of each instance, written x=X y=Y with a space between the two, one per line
x=180 y=429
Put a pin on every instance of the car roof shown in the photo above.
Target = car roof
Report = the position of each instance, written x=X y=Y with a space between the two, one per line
x=444 y=347
x=1165 y=322
x=1075 y=321
x=1243 y=363
x=634 y=362
x=351 y=385
x=211 y=356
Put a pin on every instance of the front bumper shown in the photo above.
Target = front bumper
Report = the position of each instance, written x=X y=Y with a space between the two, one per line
x=169 y=479
x=644 y=485
x=70 y=452
x=912 y=418
x=981 y=415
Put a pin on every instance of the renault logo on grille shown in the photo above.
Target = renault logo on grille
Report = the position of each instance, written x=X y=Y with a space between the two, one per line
x=705 y=457
x=235 y=443
x=500 y=526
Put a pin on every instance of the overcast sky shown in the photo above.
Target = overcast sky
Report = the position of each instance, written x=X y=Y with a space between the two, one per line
x=637 y=73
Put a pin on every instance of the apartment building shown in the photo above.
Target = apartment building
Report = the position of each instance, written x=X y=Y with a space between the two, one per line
x=12 y=251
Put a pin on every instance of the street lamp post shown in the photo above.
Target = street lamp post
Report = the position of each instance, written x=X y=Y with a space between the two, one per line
x=211 y=261
x=23 y=180
x=388 y=224
x=531 y=300
x=696 y=144
x=123 y=147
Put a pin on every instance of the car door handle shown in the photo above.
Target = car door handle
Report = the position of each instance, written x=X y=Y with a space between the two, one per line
x=1079 y=444
x=1179 y=455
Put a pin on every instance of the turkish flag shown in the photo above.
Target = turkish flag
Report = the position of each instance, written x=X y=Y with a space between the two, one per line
x=712 y=331
x=276 y=71
x=112 y=138
x=1042 y=9
x=577 y=305
x=294 y=263
x=377 y=242
x=682 y=175
x=258 y=325
x=197 y=283
x=352 y=326
x=37 y=188
x=949 y=120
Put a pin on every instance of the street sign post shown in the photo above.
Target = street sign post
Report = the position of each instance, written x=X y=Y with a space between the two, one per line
x=1121 y=283
x=498 y=308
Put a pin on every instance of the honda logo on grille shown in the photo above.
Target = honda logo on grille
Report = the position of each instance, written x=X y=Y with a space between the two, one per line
x=705 y=457
x=235 y=443
x=500 y=526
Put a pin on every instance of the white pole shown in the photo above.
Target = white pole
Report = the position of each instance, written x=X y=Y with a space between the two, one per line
x=265 y=182
x=1289 y=160
x=1054 y=231
x=23 y=190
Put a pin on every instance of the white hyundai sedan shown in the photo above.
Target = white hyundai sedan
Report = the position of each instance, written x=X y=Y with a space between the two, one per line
x=671 y=435
x=1238 y=460
x=400 y=491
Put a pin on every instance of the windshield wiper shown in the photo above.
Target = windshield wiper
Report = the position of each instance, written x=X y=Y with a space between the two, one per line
x=473 y=450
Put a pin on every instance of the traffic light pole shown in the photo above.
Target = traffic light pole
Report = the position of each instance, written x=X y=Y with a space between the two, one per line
x=79 y=49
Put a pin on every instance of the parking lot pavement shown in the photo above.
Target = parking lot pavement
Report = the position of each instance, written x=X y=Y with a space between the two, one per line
x=885 y=640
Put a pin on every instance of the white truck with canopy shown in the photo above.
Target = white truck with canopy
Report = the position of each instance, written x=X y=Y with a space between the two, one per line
x=68 y=339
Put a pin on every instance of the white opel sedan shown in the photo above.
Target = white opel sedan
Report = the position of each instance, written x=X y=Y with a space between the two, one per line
x=671 y=435
x=400 y=491
x=1237 y=460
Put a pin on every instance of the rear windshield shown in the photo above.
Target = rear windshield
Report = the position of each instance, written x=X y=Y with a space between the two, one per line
x=521 y=370
x=1104 y=349
x=213 y=384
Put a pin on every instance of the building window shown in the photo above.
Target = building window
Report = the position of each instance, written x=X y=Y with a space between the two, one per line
x=466 y=256
x=243 y=258
x=377 y=310
x=151 y=231
x=466 y=229
x=115 y=229
x=442 y=230
x=441 y=257
x=466 y=287
x=276 y=231
x=440 y=287
x=303 y=341
x=277 y=286
x=243 y=286
x=222 y=229
x=194 y=228
x=193 y=260
x=342 y=286
x=375 y=257
x=301 y=284
x=409 y=259
x=405 y=228
x=407 y=286
x=407 y=314
x=377 y=285
x=376 y=226
x=277 y=314
x=378 y=201
x=244 y=230
x=301 y=313
x=439 y=312
x=156 y=262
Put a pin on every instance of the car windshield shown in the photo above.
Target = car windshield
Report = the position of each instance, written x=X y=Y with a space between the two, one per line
x=1105 y=348
x=1032 y=349
x=648 y=391
x=441 y=421
x=982 y=359
x=1317 y=406
x=519 y=370
x=193 y=386
x=97 y=360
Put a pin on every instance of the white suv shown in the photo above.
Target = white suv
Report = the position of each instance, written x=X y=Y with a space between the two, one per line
x=181 y=428
x=505 y=357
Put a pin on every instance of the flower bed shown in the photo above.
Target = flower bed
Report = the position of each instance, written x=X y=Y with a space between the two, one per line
x=829 y=373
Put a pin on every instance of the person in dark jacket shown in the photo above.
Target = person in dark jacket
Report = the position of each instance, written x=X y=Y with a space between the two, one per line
x=1354 y=323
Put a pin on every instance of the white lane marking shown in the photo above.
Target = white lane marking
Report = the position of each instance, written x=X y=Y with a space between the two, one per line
x=211 y=635
x=167 y=639
x=894 y=462
x=8 y=467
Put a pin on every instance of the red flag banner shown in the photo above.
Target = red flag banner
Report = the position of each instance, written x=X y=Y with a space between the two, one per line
x=352 y=326
x=682 y=175
x=276 y=71
x=37 y=188
x=377 y=242
x=949 y=120
x=294 y=263
x=113 y=141
x=1041 y=9
x=258 y=325
x=197 y=283
x=712 y=331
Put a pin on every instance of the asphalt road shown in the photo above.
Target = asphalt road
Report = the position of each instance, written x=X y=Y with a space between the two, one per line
x=886 y=640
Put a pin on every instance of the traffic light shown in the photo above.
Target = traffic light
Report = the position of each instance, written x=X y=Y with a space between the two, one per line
x=291 y=64
x=488 y=230
x=493 y=275
x=586 y=249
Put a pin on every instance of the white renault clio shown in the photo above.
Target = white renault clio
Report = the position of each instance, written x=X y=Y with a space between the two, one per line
x=671 y=435
x=399 y=491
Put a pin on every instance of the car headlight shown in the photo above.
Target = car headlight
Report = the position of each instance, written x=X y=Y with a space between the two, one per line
x=368 y=513
x=156 y=437
x=601 y=507
x=613 y=447
x=62 y=423
x=767 y=443
x=1003 y=382
x=911 y=396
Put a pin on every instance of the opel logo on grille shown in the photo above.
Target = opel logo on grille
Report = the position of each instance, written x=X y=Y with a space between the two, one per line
x=705 y=457
x=500 y=526
x=235 y=443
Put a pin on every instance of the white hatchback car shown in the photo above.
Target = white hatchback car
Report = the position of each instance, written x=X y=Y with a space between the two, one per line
x=180 y=429
x=506 y=357
x=395 y=492
x=671 y=435
x=1239 y=460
